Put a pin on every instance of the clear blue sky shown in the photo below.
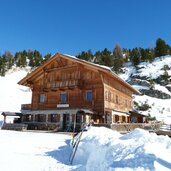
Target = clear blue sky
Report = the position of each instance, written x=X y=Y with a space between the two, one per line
x=73 y=26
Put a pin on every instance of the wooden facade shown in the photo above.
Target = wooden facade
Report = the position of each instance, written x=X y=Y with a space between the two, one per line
x=66 y=89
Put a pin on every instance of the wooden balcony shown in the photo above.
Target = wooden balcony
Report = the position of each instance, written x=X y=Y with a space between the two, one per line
x=26 y=107
x=64 y=84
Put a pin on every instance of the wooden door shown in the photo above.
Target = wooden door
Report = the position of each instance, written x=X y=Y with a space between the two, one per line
x=65 y=121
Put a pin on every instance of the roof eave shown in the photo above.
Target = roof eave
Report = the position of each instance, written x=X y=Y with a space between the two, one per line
x=27 y=77
x=104 y=69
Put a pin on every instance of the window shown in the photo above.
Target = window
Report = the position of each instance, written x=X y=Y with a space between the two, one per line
x=55 y=117
x=89 y=95
x=42 y=98
x=64 y=97
x=41 y=118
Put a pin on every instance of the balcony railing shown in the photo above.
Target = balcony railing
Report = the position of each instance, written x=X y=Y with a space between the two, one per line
x=65 y=83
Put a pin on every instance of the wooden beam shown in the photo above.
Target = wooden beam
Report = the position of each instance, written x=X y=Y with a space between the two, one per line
x=61 y=68
x=59 y=62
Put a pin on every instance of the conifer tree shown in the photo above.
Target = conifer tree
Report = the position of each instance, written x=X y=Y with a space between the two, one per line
x=0 y=64
x=97 y=57
x=118 y=58
x=3 y=66
x=162 y=48
x=150 y=54
x=144 y=54
x=87 y=56
x=135 y=56
x=106 y=58
x=24 y=58
x=30 y=57
x=126 y=54
x=9 y=59
x=46 y=57
x=37 y=58
x=18 y=59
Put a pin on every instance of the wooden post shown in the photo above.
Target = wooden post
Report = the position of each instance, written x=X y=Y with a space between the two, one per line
x=82 y=118
x=46 y=118
x=5 y=118
x=75 y=121
x=33 y=118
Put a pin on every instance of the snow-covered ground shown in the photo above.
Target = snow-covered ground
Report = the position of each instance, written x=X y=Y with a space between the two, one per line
x=155 y=69
x=100 y=149
x=26 y=151
x=151 y=70
x=160 y=108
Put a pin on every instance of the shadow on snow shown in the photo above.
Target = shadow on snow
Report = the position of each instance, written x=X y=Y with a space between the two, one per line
x=146 y=161
x=142 y=159
x=62 y=153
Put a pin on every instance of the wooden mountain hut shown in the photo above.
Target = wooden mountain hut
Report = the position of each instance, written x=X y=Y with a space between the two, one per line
x=68 y=90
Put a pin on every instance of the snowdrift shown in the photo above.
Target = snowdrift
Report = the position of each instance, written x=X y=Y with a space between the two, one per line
x=105 y=150
x=100 y=149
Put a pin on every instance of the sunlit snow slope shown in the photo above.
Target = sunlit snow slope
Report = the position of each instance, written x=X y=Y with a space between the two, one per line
x=161 y=108
x=13 y=95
